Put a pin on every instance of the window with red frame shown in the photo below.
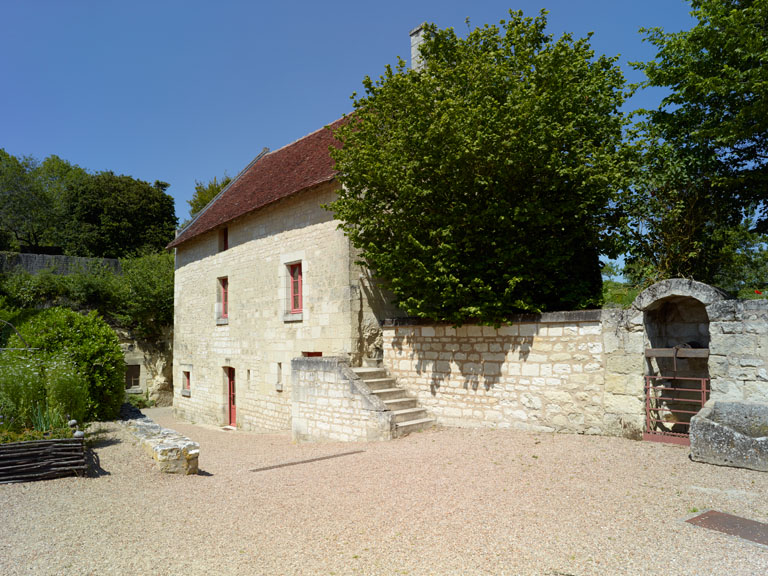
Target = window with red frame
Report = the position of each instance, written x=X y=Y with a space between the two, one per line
x=295 y=288
x=224 y=297
x=185 y=377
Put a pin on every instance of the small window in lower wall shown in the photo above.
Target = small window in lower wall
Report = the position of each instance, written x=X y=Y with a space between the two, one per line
x=311 y=354
x=185 y=384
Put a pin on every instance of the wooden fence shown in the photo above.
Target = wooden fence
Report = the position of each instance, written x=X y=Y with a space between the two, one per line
x=41 y=459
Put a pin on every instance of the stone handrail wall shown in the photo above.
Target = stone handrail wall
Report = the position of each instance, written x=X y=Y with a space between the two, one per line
x=329 y=402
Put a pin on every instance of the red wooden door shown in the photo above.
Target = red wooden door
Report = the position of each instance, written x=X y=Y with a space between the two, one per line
x=232 y=409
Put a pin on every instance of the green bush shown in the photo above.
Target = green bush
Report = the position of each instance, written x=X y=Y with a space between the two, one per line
x=139 y=299
x=92 y=348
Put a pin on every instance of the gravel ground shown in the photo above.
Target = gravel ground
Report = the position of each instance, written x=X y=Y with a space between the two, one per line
x=439 y=502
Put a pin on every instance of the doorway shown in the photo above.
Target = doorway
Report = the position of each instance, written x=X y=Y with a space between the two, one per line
x=677 y=373
x=229 y=372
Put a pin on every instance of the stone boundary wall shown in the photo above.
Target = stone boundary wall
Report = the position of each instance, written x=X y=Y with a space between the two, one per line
x=579 y=372
x=543 y=372
x=63 y=265
x=329 y=402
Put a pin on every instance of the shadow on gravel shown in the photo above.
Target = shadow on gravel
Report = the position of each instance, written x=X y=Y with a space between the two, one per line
x=203 y=473
x=310 y=460
x=94 y=463
x=129 y=412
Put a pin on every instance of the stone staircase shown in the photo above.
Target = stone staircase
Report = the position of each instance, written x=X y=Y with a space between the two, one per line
x=406 y=412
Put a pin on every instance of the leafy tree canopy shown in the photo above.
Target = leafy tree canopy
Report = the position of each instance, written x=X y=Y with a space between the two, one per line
x=205 y=192
x=31 y=193
x=481 y=185
x=697 y=206
x=55 y=203
x=113 y=215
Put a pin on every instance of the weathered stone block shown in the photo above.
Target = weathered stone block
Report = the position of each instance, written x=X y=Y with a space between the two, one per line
x=731 y=434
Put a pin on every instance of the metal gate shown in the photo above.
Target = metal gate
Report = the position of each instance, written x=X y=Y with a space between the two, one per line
x=670 y=403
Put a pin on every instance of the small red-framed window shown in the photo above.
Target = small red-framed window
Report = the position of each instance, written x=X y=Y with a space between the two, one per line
x=295 y=287
x=185 y=380
x=224 y=296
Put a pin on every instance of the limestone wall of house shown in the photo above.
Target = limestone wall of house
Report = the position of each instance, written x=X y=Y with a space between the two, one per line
x=259 y=338
x=544 y=372
x=330 y=403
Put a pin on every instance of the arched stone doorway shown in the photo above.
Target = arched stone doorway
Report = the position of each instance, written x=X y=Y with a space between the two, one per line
x=677 y=336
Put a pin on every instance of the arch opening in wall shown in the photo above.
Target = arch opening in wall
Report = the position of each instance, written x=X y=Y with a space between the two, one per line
x=676 y=366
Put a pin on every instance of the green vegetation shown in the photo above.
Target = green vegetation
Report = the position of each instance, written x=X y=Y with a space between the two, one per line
x=205 y=192
x=139 y=299
x=75 y=367
x=481 y=185
x=697 y=205
x=56 y=204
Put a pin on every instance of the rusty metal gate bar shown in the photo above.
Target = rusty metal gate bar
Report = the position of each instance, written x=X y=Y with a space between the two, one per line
x=669 y=407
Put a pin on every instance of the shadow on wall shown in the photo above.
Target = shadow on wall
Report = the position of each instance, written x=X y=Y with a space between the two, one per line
x=374 y=297
x=475 y=352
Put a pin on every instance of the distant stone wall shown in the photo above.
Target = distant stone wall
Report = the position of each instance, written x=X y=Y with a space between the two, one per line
x=36 y=263
x=329 y=402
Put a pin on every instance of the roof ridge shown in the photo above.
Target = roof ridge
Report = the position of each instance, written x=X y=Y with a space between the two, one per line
x=264 y=152
x=324 y=127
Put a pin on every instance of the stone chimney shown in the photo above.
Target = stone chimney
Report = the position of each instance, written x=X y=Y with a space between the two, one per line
x=417 y=37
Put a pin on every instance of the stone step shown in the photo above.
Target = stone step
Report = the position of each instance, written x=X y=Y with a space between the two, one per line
x=403 y=428
x=366 y=372
x=379 y=383
x=401 y=403
x=408 y=414
x=389 y=393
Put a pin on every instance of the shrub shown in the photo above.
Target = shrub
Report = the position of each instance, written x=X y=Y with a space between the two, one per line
x=93 y=350
x=40 y=391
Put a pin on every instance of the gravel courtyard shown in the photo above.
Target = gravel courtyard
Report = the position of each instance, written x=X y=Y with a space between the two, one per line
x=439 y=502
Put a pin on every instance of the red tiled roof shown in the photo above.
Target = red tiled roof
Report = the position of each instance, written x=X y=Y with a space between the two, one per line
x=276 y=175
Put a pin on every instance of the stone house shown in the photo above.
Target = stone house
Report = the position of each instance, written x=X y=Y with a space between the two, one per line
x=263 y=276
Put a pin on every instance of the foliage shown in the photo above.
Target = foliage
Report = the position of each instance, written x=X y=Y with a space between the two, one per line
x=29 y=209
x=148 y=285
x=618 y=294
x=205 y=192
x=481 y=185
x=40 y=391
x=54 y=203
x=113 y=216
x=697 y=208
x=139 y=401
x=140 y=298
x=93 y=349
x=26 y=435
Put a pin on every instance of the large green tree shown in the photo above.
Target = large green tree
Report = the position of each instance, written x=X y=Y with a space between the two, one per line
x=31 y=196
x=114 y=215
x=698 y=205
x=481 y=185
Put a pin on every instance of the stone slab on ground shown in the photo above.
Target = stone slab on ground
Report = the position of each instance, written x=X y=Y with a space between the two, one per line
x=172 y=452
x=731 y=434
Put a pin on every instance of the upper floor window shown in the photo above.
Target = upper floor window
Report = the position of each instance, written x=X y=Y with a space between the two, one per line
x=222 y=300
x=223 y=239
x=295 y=288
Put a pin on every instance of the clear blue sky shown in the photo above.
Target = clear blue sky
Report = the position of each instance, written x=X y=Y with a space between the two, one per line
x=185 y=90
